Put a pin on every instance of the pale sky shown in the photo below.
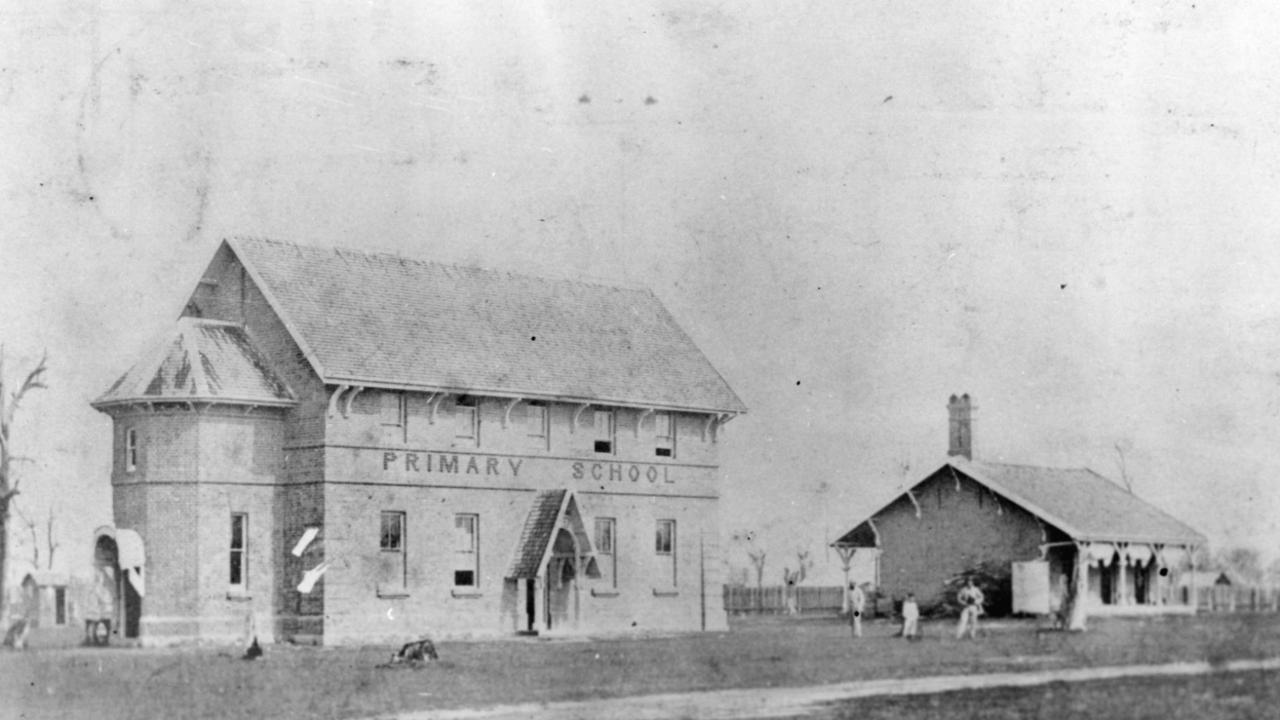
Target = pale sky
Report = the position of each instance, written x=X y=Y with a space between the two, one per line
x=855 y=209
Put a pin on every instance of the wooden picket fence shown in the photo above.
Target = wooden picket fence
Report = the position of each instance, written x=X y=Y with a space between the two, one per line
x=1224 y=598
x=743 y=600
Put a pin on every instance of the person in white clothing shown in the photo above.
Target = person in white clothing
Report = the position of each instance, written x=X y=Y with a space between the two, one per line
x=971 y=599
x=910 y=618
x=857 y=603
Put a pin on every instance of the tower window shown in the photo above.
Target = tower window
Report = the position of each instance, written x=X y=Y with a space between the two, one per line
x=131 y=449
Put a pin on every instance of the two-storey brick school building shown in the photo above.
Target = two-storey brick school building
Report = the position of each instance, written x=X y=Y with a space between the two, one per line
x=351 y=447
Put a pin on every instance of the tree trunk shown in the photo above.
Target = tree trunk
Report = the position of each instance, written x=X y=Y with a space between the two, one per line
x=4 y=565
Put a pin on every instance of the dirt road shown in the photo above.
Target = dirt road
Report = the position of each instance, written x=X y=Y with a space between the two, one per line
x=799 y=701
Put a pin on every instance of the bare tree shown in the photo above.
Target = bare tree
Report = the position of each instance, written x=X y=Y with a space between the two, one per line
x=791 y=580
x=48 y=536
x=35 y=541
x=1124 y=470
x=8 y=483
x=757 y=561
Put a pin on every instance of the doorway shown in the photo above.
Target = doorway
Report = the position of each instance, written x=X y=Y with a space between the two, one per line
x=118 y=602
x=560 y=589
x=562 y=582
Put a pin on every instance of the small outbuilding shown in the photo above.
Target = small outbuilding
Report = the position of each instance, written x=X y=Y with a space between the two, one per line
x=44 y=599
x=1070 y=542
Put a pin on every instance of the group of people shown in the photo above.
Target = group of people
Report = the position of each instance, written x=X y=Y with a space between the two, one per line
x=970 y=599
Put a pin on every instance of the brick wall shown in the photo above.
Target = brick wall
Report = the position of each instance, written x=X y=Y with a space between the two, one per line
x=956 y=530
x=195 y=467
x=234 y=297
x=362 y=603
x=299 y=504
x=302 y=467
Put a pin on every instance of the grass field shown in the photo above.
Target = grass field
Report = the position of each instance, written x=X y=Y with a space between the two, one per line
x=1238 y=696
x=298 y=682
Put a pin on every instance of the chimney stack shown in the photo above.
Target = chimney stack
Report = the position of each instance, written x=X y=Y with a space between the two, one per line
x=961 y=427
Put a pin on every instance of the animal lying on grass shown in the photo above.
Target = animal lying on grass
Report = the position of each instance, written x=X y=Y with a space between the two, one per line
x=414 y=654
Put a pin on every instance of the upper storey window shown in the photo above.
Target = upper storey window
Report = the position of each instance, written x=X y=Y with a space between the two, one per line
x=664 y=432
x=466 y=416
x=604 y=431
x=537 y=424
x=394 y=413
x=393 y=409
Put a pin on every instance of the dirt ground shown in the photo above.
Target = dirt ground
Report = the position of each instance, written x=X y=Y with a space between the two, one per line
x=299 y=682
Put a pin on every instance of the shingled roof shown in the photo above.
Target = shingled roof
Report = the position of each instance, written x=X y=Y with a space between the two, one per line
x=201 y=360
x=536 y=535
x=385 y=320
x=551 y=509
x=1077 y=501
x=1081 y=503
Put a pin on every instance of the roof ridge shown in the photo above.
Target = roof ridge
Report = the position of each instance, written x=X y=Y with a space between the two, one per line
x=193 y=320
x=344 y=252
x=1040 y=467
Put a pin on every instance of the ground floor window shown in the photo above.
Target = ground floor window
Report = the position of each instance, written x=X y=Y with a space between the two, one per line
x=665 y=547
x=466 y=572
x=391 y=548
x=606 y=537
x=239 y=556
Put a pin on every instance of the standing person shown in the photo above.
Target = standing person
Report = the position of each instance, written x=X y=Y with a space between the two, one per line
x=857 y=602
x=971 y=600
x=910 y=618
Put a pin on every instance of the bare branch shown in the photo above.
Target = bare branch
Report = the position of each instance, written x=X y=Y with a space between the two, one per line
x=53 y=546
x=34 y=381
x=1124 y=473
x=35 y=541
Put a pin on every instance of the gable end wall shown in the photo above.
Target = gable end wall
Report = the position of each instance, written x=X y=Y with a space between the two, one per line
x=956 y=531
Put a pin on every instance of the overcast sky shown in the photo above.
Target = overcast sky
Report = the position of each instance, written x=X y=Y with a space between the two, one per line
x=855 y=208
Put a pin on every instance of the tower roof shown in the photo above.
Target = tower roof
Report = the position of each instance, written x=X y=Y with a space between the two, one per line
x=200 y=361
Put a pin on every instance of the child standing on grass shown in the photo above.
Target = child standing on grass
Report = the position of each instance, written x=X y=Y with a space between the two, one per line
x=910 y=618
x=857 y=602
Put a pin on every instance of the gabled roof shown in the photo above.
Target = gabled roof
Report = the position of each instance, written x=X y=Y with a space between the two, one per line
x=201 y=360
x=1077 y=501
x=385 y=320
x=551 y=511
x=1204 y=578
x=46 y=578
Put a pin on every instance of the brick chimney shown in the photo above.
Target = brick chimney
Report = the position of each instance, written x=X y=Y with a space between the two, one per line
x=961 y=426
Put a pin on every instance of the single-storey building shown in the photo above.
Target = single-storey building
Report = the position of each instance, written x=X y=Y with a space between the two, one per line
x=1070 y=539
x=1212 y=589
x=336 y=446
x=44 y=599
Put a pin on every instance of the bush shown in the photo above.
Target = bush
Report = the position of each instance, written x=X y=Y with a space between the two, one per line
x=992 y=578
